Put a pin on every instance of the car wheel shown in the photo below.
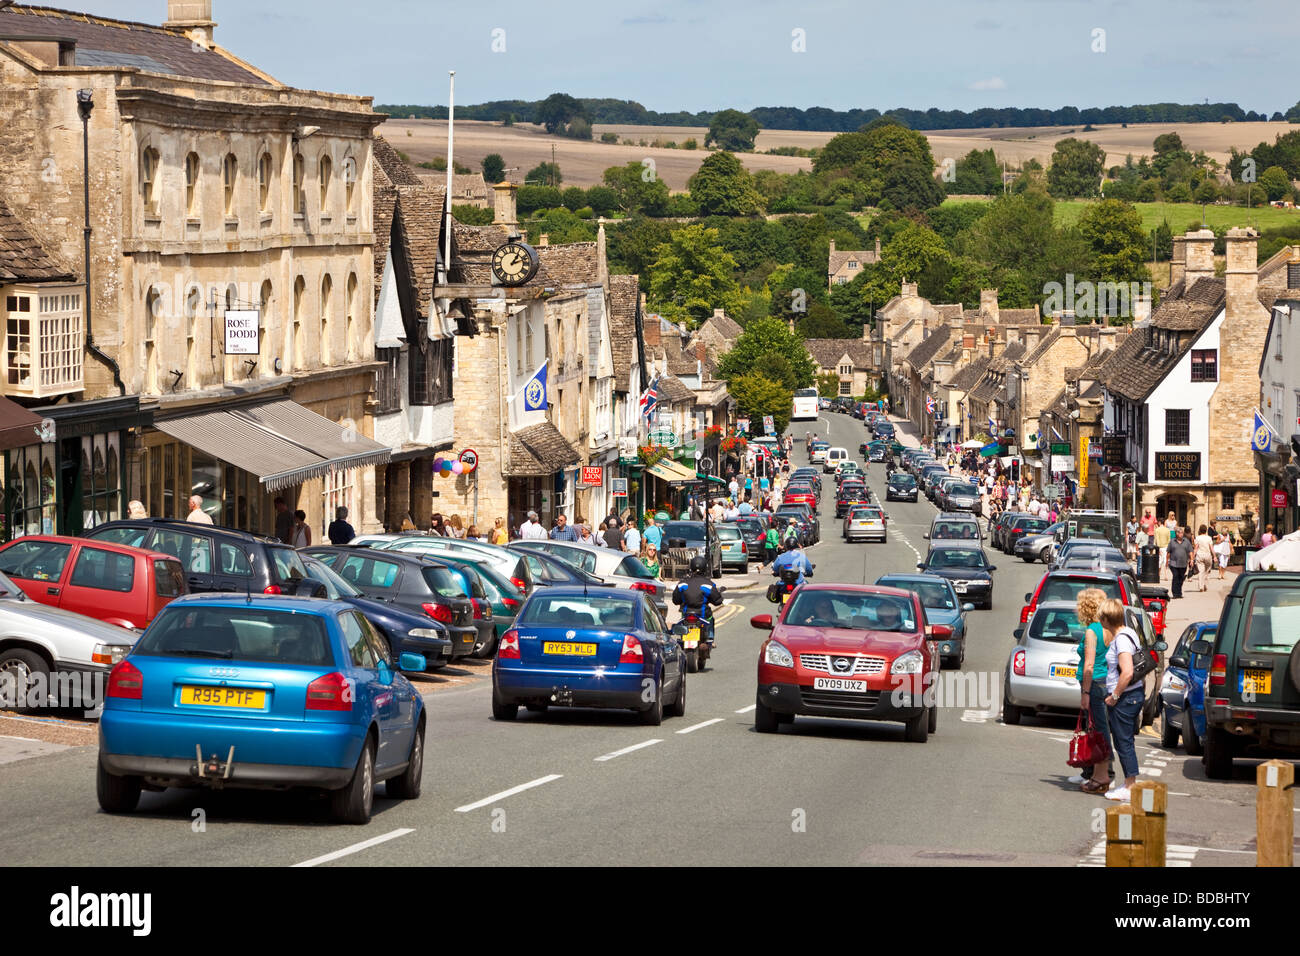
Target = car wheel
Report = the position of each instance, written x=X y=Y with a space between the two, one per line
x=988 y=605
x=1010 y=712
x=918 y=728
x=1218 y=754
x=116 y=794
x=653 y=715
x=1168 y=732
x=1293 y=667
x=934 y=719
x=352 y=803
x=765 y=719
x=678 y=708
x=25 y=670
x=502 y=710
x=1191 y=742
x=1045 y=557
x=407 y=786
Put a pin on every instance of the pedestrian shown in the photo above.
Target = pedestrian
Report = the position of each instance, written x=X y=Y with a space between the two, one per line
x=1223 y=552
x=471 y=533
x=1203 y=550
x=1180 y=553
x=613 y=538
x=1172 y=522
x=407 y=523
x=1131 y=530
x=283 y=521
x=563 y=531
x=653 y=534
x=584 y=535
x=1092 y=683
x=1124 y=696
x=771 y=544
x=532 y=529
x=745 y=508
x=651 y=559
x=438 y=526
x=1268 y=537
x=135 y=509
x=1140 y=540
x=499 y=535
x=340 y=532
x=457 y=529
x=197 y=515
x=632 y=539
x=1149 y=523
x=301 y=534
x=1162 y=539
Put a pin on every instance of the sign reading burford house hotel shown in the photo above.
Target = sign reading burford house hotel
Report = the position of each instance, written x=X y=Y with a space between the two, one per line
x=1178 y=465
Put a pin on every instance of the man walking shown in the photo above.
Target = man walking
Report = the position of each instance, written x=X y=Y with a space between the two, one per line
x=1162 y=538
x=197 y=514
x=283 y=521
x=632 y=539
x=653 y=534
x=340 y=532
x=563 y=531
x=1180 y=554
x=532 y=529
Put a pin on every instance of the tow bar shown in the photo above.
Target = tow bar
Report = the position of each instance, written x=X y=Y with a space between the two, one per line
x=212 y=769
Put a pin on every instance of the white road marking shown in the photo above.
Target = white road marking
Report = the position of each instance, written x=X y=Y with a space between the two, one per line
x=509 y=793
x=707 y=723
x=745 y=710
x=628 y=750
x=356 y=847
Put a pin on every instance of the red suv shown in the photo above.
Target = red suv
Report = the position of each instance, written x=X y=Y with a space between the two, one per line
x=843 y=650
x=113 y=583
x=1066 y=585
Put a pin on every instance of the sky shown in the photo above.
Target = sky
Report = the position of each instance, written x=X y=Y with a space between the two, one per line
x=714 y=54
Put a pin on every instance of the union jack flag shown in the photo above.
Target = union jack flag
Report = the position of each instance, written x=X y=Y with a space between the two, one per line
x=650 y=399
x=929 y=404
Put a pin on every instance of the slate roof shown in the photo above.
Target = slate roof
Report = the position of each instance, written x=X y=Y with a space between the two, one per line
x=1193 y=309
x=674 y=390
x=102 y=42
x=397 y=171
x=952 y=355
x=725 y=326
x=949 y=311
x=624 y=291
x=1044 y=344
x=1012 y=353
x=986 y=388
x=567 y=265
x=1019 y=317
x=385 y=208
x=929 y=347
x=421 y=217
x=21 y=257
x=839 y=257
x=1134 y=370
x=827 y=352
x=539 y=450
x=966 y=378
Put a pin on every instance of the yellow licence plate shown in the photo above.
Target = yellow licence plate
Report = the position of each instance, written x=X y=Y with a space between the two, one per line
x=569 y=649
x=1066 y=671
x=1256 y=681
x=223 y=697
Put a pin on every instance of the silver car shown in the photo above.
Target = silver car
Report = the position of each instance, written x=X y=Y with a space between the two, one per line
x=508 y=564
x=617 y=567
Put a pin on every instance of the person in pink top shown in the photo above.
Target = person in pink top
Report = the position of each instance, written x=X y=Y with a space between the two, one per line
x=1149 y=523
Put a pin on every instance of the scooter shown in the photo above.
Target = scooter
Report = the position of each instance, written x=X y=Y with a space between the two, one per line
x=696 y=632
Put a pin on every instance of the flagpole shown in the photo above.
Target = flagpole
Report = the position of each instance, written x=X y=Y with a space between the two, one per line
x=451 y=124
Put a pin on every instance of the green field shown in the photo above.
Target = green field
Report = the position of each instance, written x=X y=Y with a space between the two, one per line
x=1182 y=216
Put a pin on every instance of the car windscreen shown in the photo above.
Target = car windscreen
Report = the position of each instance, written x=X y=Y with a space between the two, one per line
x=725 y=533
x=1060 y=625
x=240 y=633
x=872 y=512
x=955 y=529
x=902 y=480
x=614 y=612
x=936 y=595
x=1030 y=525
x=1273 y=621
x=578 y=557
x=850 y=609
x=1067 y=589
x=445 y=583
x=689 y=530
x=963 y=489
x=633 y=567
x=956 y=558
x=335 y=586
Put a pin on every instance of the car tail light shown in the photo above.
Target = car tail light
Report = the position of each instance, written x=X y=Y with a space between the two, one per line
x=511 y=603
x=744 y=548
x=125 y=682
x=631 y=653
x=1018 y=663
x=521 y=584
x=439 y=612
x=645 y=586
x=478 y=608
x=331 y=692
x=1025 y=611
x=1219 y=670
x=272 y=589
x=508 y=649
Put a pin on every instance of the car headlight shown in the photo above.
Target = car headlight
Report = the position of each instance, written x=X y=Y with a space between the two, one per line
x=910 y=663
x=109 y=653
x=778 y=655
x=425 y=632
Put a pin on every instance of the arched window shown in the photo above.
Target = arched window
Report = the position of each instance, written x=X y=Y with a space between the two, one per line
x=326 y=333
x=192 y=185
x=299 y=192
x=326 y=175
x=350 y=184
x=264 y=323
x=292 y=358
x=149 y=180
x=230 y=176
x=351 y=348
x=264 y=182
x=193 y=308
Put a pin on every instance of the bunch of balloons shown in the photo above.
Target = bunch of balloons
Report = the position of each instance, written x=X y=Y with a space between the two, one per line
x=443 y=467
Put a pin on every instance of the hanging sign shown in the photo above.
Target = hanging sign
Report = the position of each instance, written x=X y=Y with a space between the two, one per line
x=242 y=332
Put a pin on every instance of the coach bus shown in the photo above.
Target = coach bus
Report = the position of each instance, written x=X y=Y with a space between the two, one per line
x=805 y=405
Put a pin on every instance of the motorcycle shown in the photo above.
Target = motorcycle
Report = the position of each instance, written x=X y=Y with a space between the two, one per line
x=696 y=632
x=779 y=592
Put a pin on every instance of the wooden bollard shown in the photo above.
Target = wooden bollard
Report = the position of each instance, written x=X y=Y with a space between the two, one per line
x=1274 y=814
x=1150 y=800
x=1124 y=846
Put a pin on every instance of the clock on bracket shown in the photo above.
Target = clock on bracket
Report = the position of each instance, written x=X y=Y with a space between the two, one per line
x=515 y=262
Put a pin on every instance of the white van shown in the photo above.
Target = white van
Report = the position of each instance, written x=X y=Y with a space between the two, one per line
x=834 y=457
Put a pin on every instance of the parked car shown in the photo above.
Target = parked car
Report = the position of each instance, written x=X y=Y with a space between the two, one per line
x=1019 y=526
x=1182 y=690
x=1252 y=693
x=865 y=522
x=942 y=606
x=817 y=452
x=1096 y=554
x=433 y=545
x=735 y=552
x=113 y=583
x=402 y=631
x=410 y=581
x=276 y=691
x=966 y=566
x=571 y=647
x=856 y=651
x=900 y=486
x=615 y=567
x=929 y=475
x=754 y=530
x=1033 y=547
x=49 y=656
x=1065 y=585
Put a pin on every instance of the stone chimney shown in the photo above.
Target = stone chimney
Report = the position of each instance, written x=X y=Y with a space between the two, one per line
x=1293 y=270
x=543 y=240
x=877 y=248
x=908 y=290
x=832 y=252
x=989 y=303
x=866 y=331
x=1242 y=275
x=1178 y=260
x=649 y=325
x=504 y=206
x=1200 y=255
x=602 y=256
x=701 y=351
x=1241 y=340
x=193 y=18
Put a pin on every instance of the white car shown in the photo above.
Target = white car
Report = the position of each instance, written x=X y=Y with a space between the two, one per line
x=834 y=456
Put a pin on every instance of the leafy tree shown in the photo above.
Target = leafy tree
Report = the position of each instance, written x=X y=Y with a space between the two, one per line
x=579 y=129
x=910 y=185
x=722 y=187
x=1113 y=231
x=795 y=290
x=602 y=200
x=954 y=217
x=842 y=152
x=823 y=323
x=1076 y=168
x=1276 y=183
x=494 y=168
x=633 y=243
x=561 y=226
x=558 y=111
x=777 y=368
x=531 y=198
x=1293 y=114
x=574 y=198
x=828 y=385
x=638 y=189
x=978 y=173
x=768 y=336
x=757 y=396
x=1169 y=151
x=1164 y=241
x=1179 y=192
x=545 y=174
x=852 y=304
x=1206 y=192
x=913 y=250
x=472 y=215
x=732 y=130
x=692 y=275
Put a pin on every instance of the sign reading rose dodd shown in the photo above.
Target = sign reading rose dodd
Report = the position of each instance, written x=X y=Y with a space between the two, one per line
x=241 y=332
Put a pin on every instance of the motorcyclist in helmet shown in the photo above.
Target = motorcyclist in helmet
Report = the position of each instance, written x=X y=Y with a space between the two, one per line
x=793 y=558
x=697 y=592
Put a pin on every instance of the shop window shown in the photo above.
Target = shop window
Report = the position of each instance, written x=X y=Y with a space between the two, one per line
x=230 y=179
x=431 y=370
x=149 y=181
x=191 y=185
x=264 y=183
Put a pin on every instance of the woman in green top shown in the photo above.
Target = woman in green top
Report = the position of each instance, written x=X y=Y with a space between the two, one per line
x=771 y=545
x=1092 y=683
x=650 y=558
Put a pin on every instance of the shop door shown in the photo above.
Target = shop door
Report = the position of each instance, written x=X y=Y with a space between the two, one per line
x=1180 y=505
x=71 y=507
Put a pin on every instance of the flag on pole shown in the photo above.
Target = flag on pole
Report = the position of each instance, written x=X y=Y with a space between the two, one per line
x=535 y=391
x=650 y=399
x=1262 y=435
x=929 y=404
x=993 y=425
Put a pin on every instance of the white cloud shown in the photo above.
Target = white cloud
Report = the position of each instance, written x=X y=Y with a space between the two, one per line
x=992 y=83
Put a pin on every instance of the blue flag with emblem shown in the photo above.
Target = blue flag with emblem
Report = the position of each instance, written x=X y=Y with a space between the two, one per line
x=535 y=391
x=1262 y=435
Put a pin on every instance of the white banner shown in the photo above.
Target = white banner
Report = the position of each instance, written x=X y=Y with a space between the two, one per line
x=1062 y=463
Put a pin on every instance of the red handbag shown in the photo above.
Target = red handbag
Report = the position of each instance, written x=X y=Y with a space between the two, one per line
x=1087 y=747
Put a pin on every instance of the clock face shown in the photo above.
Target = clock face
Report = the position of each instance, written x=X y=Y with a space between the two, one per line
x=514 y=263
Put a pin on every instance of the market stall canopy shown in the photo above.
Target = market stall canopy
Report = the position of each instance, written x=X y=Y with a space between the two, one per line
x=973 y=443
x=671 y=472
x=18 y=426
x=280 y=442
x=1281 y=555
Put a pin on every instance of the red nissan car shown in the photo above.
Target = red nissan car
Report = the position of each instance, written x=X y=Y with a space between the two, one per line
x=842 y=650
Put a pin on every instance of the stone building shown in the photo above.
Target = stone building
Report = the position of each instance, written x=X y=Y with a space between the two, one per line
x=214 y=189
x=843 y=266
x=853 y=361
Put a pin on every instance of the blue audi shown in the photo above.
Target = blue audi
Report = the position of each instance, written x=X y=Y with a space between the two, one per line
x=261 y=692
x=588 y=647
x=1182 y=690
x=942 y=606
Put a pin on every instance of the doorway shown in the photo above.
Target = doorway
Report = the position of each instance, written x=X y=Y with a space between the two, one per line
x=1183 y=506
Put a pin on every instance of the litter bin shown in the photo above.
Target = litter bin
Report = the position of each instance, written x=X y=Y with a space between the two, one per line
x=1149 y=564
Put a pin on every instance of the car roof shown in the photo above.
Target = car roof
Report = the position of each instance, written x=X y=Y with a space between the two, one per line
x=283 y=602
x=955 y=544
x=408 y=557
x=914 y=578
x=858 y=589
x=181 y=524
x=95 y=542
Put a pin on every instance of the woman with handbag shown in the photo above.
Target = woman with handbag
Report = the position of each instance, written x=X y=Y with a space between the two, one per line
x=1125 y=694
x=1092 y=683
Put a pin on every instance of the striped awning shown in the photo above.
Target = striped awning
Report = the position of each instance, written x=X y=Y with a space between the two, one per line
x=281 y=442
x=671 y=472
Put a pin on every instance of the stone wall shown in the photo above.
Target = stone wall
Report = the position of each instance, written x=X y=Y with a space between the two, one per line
x=480 y=406
x=1241 y=342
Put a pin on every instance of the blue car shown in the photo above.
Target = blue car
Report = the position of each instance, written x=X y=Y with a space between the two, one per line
x=942 y=606
x=1182 y=691
x=582 y=647
x=261 y=692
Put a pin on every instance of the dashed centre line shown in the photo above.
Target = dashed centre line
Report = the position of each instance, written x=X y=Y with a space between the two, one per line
x=356 y=847
x=628 y=750
x=706 y=723
x=509 y=793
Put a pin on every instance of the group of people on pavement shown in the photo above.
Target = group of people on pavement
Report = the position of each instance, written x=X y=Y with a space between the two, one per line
x=1182 y=552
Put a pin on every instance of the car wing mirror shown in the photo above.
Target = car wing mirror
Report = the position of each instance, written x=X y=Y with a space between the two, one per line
x=1201 y=647
x=968 y=607
x=412 y=663
x=762 y=622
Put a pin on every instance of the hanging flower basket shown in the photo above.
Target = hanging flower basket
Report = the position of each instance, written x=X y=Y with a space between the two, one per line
x=712 y=432
x=651 y=454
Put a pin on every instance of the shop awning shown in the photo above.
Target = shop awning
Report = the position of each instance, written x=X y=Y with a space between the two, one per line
x=671 y=472
x=281 y=442
x=18 y=426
